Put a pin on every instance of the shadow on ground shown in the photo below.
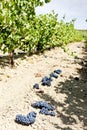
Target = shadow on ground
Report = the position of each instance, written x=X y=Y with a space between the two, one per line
x=75 y=89
x=5 y=60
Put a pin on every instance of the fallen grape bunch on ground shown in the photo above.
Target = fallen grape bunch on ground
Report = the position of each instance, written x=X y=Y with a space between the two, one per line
x=46 y=108
x=26 y=120
x=46 y=81
x=68 y=92
x=29 y=119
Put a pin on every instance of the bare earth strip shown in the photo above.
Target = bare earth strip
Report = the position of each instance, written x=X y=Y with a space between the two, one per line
x=68 y=93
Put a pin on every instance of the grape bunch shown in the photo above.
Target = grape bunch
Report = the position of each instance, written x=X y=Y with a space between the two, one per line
x=45 y=111
x=36 y=85
x=26 y=120
x=54 y=75
x=46 y=108
x=58 y=71
x=41 y=104
x=46 y=81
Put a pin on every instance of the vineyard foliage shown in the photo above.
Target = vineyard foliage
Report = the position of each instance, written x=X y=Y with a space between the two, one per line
x=86 y=35
x=20 y=28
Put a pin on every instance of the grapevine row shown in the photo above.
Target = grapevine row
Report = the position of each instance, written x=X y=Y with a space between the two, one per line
x=20 y=28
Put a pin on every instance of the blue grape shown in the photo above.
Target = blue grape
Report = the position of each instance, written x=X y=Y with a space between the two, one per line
x=58 y=71
x=53 y=75
x=50 y=79
x=36 y=86
x=21 y=119
x=31 y=114
x=41 y=104
x=46 y=81
x=26 y=120
x=47 y=112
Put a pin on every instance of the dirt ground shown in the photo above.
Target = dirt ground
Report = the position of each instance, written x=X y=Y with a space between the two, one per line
x=68 y=93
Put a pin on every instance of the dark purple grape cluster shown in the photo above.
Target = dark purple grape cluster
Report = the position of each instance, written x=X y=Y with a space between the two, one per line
x=59 y=71
x=54 y=75
x=46 y=108
x=45 y=111
x=46 y=81
x=36 y=85
x=41 y=104
x=26 y=120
